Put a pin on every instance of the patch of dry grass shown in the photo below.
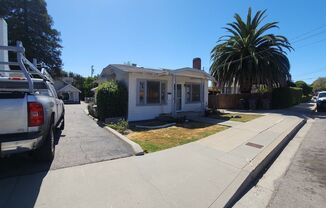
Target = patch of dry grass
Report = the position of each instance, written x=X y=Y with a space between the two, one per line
x=159 y=139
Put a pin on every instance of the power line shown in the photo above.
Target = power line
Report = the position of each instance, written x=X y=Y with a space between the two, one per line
x=319 y=41
x=310 y=36
x=306 y=33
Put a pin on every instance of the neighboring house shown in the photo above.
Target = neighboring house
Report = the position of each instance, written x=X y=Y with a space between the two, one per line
x=66 y=90
x=153 y=92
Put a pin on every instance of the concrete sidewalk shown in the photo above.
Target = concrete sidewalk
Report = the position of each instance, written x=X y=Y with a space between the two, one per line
x=206 y=173
x=215 y=121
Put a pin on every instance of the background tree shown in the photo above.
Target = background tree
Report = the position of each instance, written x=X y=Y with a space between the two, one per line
x=29 y=22
x=319 y=84
x=248 y=56
x=306 y=89
x=89 y=83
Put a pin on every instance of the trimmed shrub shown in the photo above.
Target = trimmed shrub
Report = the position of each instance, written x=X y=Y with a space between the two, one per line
x=112 y=100
x=286 y=97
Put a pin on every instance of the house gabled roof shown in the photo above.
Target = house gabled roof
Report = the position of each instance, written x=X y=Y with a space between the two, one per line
x=128 y=68
x=187 y=71
x=69 y=87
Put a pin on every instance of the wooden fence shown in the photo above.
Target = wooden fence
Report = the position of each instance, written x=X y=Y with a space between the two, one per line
x=232 y=101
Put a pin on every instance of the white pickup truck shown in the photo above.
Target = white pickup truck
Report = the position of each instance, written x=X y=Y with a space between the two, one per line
x=30 y=111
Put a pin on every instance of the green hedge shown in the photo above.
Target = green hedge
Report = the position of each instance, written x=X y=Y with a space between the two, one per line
x=286 y=97
x=111 y=100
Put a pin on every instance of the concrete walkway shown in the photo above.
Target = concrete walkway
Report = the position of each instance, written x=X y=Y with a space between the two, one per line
x=206 y=173
x=215 y=121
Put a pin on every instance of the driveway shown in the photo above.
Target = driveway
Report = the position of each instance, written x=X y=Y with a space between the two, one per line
x=82 y=142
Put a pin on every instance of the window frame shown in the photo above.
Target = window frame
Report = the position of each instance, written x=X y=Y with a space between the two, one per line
x=190 y=99
x=145 y=92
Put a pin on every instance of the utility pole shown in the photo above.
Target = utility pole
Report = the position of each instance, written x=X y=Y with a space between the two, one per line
x=92 y=70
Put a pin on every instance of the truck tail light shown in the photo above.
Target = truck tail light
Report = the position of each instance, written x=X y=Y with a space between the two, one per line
x=35 y=114
x=17 y=78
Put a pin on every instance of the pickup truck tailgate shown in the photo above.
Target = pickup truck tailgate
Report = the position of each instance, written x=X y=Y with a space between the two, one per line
x=13 y=113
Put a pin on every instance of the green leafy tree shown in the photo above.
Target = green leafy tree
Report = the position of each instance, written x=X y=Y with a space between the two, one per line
x=29 y=22
x=306 y=89
x=249 y=55
x=319 y=84
x=84 y=84
x=88 y=84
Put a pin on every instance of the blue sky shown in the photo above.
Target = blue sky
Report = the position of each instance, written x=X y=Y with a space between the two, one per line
x=169 y=33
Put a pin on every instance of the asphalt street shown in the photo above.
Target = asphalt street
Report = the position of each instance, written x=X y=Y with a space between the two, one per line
x=304 y=184
x=81 y=142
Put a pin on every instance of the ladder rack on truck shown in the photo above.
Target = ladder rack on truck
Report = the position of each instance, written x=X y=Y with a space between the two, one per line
x=22 y=62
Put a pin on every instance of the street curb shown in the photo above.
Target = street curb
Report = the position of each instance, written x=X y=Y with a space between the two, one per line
x=263 y=191
x=134 y=146
x=249 y=175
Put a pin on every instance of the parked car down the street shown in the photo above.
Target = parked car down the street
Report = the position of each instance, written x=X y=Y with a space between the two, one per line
x=321 y=101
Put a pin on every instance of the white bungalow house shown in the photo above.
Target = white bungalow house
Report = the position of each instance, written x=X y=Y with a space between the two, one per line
x=66 y=90
x=161 y=91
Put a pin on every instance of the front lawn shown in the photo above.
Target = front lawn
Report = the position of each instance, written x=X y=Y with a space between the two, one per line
x=235 y=116
x=159 y=139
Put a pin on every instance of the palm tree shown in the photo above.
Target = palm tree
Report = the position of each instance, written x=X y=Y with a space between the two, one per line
x=248 y=56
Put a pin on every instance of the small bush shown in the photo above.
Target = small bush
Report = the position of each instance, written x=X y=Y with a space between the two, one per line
x=112 y=100
x=120 y=126
x=286 y=97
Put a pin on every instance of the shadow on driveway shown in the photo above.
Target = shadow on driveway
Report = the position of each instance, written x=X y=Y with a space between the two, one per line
x=23 y=164
x=15 y=192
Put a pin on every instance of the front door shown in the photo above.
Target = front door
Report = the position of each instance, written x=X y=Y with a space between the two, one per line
x=179 y=97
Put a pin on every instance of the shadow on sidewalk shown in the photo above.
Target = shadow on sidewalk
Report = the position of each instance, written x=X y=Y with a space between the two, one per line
x=21 y=177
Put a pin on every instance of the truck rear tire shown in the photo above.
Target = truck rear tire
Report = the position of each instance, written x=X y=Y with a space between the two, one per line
x=46 y=151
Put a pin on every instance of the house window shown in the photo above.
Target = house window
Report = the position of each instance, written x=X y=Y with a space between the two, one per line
x=151 y=92
x=192 y=92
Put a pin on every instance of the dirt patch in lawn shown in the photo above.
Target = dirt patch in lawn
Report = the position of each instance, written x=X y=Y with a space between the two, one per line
x=235 y=116
x=159 y=139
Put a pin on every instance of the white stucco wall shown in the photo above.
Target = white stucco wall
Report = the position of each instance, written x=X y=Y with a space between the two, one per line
x=144 y=112
x=198 y=106
x=112 y=73
x=122 y=76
